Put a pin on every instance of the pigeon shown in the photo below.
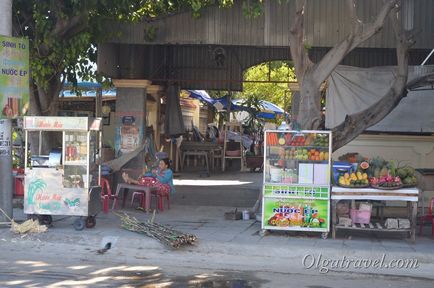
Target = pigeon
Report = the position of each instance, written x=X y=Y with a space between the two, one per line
x=105 y=249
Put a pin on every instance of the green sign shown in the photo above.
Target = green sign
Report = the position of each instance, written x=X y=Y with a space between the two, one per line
x=296 y=214
x=296 y=191
x=14 y=77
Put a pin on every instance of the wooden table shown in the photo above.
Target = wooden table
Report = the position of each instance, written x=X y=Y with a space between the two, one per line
x=125 y=187
x=208 y=147
x=409 y=195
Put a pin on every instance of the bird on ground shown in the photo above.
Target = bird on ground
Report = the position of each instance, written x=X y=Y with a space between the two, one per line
x=105 y=249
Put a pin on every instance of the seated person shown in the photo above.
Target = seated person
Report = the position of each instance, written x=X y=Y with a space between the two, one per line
x=161 y=178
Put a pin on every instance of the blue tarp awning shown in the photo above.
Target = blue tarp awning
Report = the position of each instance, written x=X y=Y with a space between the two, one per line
x=268 y=111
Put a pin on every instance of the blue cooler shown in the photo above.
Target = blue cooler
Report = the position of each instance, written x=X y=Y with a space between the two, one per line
x=339 y=168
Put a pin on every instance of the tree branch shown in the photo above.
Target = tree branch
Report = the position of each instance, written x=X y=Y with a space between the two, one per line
x=360 y=33
x=66 y=26
x=355 y=124
x=299 y=54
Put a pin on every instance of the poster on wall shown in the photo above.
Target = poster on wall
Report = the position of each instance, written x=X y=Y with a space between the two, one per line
x=128 y=136
x=14 y=77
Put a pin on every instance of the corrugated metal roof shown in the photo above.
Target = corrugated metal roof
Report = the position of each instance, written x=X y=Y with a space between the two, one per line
x=327 y=22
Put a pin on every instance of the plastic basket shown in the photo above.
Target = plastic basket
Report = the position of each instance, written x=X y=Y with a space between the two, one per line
x=360 y=216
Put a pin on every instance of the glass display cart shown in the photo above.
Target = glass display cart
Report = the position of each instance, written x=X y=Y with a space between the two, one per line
x=296 y=186
x=63 y=180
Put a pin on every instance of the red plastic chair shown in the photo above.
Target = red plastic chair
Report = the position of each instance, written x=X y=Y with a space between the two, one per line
x=159 y=199
x=141 y=196
x=427 y=217
x=106 y=195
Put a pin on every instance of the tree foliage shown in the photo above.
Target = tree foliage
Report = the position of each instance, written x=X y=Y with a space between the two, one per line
x=275 y=92
x=63 y=37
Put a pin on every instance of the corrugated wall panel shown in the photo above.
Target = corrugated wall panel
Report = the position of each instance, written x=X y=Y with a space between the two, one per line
x=327 y=22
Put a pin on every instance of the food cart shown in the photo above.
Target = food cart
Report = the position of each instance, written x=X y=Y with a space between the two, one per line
x=296 y=186
x=66 y=179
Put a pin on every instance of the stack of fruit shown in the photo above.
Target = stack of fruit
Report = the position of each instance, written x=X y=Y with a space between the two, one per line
x=386 y=182
x=358 y=179
x=306 y=154
x=407 y=175
x=321 y=140
x=298 y=140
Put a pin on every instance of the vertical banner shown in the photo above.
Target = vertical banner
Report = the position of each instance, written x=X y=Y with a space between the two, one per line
x=14 y=77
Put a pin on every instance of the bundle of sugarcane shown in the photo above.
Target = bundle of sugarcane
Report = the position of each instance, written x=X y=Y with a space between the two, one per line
x=29 y=226
x=164 y=234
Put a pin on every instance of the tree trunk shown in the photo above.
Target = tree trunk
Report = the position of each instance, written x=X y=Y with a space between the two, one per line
x=306 y=110
x=45 y=102
x=309 y=111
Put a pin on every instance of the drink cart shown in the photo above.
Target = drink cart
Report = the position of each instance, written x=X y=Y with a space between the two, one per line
x=296 y=188
x=63 y=180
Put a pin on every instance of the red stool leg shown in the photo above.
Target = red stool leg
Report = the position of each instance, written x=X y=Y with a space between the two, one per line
x=432 y=227
x=160 y=202
x=105 y=204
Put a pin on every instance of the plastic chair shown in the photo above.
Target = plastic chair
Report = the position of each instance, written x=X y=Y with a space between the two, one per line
x=159 y=199
x=141 y=195
x=106 y=195
x=427 y=217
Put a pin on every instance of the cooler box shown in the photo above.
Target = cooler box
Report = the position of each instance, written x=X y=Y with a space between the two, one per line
x=340 y=168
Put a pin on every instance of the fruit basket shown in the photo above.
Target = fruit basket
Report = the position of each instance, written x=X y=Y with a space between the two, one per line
x=354 y=186
x=387 y=188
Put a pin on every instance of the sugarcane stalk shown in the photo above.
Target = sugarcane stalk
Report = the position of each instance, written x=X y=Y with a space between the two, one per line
x=166 y=235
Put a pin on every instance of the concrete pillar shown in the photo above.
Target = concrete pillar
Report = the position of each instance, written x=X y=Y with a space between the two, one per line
x=6 y=179
x=130 y=119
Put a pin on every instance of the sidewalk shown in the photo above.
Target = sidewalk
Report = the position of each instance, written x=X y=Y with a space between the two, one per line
x=238 y=243
x=198 y=207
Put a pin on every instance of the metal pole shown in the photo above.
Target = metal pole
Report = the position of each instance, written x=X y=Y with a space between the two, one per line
x=427 y=57
x=6 y=128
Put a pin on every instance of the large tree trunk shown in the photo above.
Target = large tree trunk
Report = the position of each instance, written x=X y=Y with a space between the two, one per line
x=355 y=124
x=306 y=110
x=309 y=113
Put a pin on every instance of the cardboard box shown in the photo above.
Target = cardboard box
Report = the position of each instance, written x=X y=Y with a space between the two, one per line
x=305 y=173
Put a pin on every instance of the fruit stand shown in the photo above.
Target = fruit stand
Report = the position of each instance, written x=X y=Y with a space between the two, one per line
x=372 y=181
x=296 y=185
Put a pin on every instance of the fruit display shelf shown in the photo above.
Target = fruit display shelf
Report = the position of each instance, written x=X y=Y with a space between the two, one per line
x=387 y=188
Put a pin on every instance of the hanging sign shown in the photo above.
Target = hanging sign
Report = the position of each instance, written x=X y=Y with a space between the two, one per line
x=14 y=77
x=56 y=123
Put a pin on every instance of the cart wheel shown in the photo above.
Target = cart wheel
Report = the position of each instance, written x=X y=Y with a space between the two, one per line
x=79 y=224
x=90 y=222
x=263 y=232
x=324 y=235
x=32 y=216
x=45 y=220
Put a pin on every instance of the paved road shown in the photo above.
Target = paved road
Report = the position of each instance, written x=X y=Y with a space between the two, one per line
x=30 y=262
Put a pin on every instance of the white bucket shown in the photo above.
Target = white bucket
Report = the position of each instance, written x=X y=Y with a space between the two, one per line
x=246 y=215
